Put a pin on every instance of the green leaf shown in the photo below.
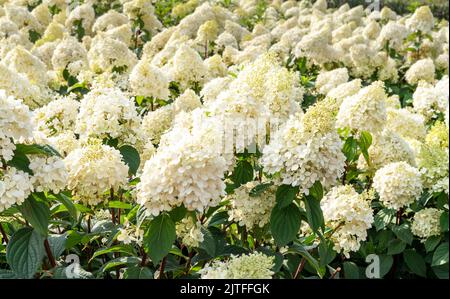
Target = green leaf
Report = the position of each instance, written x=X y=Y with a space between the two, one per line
x=131 y=158
x=431 y=243
x=36 y=149
x=117 y=204
x=444 y=222
x=364 y=142
x=403 y=232
x=285 y=195
x=208 y=244
x=440 y=256
x=386 y=262
x=120 y=261
x=136 y=272
x=37 y=213
x=218 y=218
x=316 y=191
x=7 y=274
x=396 y=246
x=243 y=173
x=441 y=271
x=33 y=36
x=299 y=249
x=159 y=237
x=350 y=149
x=25 y=252
x=178 y=213
x=123 y=248
x=326 y=252
x=285 y=223
x=415 y=262
x=21 y=162
x=67 y=202
x=383 y=218
x=314 y=213
x=351 y=270
x=57 y=244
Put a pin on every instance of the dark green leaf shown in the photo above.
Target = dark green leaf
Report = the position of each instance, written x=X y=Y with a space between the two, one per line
x=383 y=218
x=285 y=195
x=444 y=221
x=159 y=237
x=350 y=149
x=415 y=262
x=351 y=270
x=178 y=213
x=403 y=232
x=316 y=191
x=396 y=246
x=243 y=173
x=314 y=213
x=259 y=189
x=25 y=252
x=326 y=252
x=284 y=224
x=37 y=213
x=67 y=202
x=432 y=242
x=131 y=158
x=122 y=248
x=440 y=256
x=137 y=272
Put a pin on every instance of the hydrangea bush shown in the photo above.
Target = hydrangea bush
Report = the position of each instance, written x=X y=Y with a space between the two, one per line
x=222 y=139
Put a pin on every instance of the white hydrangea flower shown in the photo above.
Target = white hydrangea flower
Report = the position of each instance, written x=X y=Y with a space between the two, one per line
x=251 y=211
x=426 y=223
x=406 y=123
x=108 y=112
x=49 y=173
x=188 y=67
x=190 y=232
x=106 y=54
x=94 y=169
x=156 y=123
x=188 y=168
x=252 y=266
x=15 y=187
x=350 y=216
x=365 y=110
x=422 y=20
x=398 y=184
x=57 y=116
x=326 y=81
x=421 y=70
x=149 y=81
x=187 y=101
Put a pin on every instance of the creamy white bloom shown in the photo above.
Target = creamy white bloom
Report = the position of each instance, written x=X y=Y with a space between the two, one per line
x=426 y=223
x=94 y=169
x=190 y=232
x=350 y=216
x=15 y=186
x=326 y=81
x=253 y=266
x=49 y=173
x=398 y=185
x=149 y=81
x=365 y=110
x=421 y=70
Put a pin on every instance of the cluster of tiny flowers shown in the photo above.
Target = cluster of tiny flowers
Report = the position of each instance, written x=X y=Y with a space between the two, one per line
x=189 y=230
x=305 y=150
x=349 y=215
x=249 y=210
x=107 y=113
x=50 y=173
x=129 y=234
x=398 y=185
x=426 y=223
x=252 y=266
x=94 y=169
x=15 y=187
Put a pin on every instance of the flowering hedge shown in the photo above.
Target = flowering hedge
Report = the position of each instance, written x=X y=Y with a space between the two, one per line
x=222 y=139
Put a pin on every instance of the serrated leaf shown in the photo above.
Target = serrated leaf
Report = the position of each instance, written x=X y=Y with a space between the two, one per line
x=316 y=191
x=25 y=252
x=243 y=173
x=403 y=232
